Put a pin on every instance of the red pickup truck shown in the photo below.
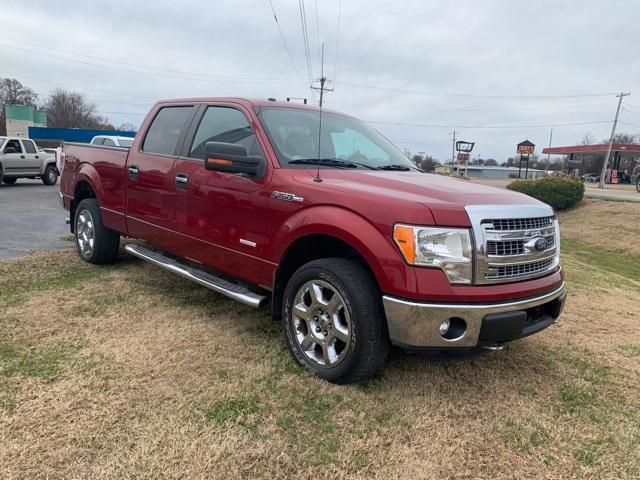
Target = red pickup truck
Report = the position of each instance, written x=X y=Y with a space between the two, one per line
x=356 y=248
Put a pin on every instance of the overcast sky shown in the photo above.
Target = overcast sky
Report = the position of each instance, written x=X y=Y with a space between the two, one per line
x=429 y=65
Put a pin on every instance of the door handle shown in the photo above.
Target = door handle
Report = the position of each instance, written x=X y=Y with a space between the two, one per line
x=22 y=156
x=37 y=156
x=182 y=181
x=133 y=172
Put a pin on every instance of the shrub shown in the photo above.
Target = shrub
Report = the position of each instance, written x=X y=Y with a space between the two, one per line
x=559 y=192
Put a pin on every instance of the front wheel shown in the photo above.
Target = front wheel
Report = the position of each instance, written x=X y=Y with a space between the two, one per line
x=9 y=180
x=50 y=176
x=95 y=243
x=334 y=321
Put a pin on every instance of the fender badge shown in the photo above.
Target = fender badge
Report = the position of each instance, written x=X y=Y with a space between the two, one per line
x=287 y=197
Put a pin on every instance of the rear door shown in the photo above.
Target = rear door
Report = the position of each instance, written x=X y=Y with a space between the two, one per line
x=222 y=216
x=33 y=160
x=151 y=192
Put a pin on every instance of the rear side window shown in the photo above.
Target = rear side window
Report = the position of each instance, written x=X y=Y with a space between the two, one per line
x=29 y=147
x=109 y=143
x=162 y=136
x=97 y=141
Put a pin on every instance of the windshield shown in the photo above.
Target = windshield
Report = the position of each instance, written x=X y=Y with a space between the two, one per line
x=125 y=142
x=294 y=134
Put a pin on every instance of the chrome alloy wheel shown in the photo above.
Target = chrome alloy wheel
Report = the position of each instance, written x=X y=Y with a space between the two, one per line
x=85 y=233
x=321 y=323
x=51 y=175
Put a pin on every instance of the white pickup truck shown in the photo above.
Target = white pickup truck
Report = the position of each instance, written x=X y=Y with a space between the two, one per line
x=20 y=158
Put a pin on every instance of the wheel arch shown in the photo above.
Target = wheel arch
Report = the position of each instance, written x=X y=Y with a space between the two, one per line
x=335 y=232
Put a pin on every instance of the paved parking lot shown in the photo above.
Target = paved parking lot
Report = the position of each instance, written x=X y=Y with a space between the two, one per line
x=31 y=218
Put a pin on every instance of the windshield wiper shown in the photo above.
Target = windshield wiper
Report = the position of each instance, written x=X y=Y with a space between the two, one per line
x=330 y=162
x=398 y=167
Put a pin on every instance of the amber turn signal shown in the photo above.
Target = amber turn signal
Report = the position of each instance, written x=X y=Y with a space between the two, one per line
x=404 y=237
x=218 y=161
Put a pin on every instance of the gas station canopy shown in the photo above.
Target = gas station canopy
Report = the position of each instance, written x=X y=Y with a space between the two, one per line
x=594 y=148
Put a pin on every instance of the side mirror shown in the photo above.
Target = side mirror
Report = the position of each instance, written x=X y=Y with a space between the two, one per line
x=232 y=158
x=9 y=150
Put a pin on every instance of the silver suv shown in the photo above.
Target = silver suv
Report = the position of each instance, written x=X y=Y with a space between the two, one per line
x=20 y=158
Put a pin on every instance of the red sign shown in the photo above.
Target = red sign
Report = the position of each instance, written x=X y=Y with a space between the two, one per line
x=463 y=157
x=526 y=148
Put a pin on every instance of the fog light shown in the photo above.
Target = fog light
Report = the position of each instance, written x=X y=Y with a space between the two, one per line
x=444 y=327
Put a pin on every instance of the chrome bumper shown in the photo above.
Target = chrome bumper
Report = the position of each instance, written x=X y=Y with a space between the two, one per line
x=415 y=324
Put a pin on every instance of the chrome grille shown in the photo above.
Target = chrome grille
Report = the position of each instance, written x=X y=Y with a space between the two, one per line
x=513 y=271
x=505 y=242
x=513 y=247
x=519 y=223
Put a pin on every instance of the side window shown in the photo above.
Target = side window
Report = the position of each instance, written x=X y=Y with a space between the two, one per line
x=15 y=144
x=224 y=124
x=164 y=131
x=109 y=143
x=29 y=147
x=97 y=141
x=352 y=145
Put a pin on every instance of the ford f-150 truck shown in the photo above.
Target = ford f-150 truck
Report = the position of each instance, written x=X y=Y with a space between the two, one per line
x=356 y=248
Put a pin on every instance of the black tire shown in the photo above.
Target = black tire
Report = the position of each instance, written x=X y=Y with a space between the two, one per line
x=9 y=180
x=369 y=342
x=106 y=242
x=50 y=176
x=638 y=184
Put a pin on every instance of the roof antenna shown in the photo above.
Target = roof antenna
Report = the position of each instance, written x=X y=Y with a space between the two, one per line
x=323 y=79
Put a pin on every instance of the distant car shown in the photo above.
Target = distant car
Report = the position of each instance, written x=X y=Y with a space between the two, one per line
x=20 y=158
x=590 y=177
x=112 y=141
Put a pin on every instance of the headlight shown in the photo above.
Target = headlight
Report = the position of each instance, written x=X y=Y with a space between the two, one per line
x=445 y=248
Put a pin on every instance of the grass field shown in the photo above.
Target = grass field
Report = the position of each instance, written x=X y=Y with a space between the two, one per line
x=128 y=371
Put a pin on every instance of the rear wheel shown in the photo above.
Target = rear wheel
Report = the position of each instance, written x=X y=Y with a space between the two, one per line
x=638 y=184
x=334 y=320
x=50 y=176
x=9 y=181
x=95 y=243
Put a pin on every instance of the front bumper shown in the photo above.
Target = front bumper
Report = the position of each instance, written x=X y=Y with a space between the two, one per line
x=415 y=324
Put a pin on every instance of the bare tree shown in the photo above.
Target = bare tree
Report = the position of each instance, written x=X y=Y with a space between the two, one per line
x=67 y=109
x=127 y=127
x=12 y=92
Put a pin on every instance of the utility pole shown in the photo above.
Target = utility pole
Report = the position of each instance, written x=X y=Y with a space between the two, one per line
x=548 y=154
x=453 y=153
x=323 y=79
x=613 y=133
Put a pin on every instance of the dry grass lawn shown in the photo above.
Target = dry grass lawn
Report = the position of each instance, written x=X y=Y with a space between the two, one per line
x=128 y=371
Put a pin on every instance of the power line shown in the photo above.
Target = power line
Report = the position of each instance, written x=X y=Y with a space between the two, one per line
x=631 y=112
x=629 y=124
x=128 y=64
x=335 y=57
x=426 y=109
x=305 y=39
x=284 y=42
x=77 y=87
x=140 y=72
x=555 y=124
x=468 y=95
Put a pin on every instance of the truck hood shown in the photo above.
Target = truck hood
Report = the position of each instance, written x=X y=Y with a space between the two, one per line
x=445 y=197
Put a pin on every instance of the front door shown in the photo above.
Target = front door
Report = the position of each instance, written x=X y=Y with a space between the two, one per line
x=151 y=192
x=16 y=161
x=222 y=216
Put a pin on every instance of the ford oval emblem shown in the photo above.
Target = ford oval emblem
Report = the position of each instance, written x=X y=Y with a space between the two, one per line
x=540 y=244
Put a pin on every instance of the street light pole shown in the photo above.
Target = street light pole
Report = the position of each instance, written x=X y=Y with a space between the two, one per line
x=613 y=133
x=548 y=154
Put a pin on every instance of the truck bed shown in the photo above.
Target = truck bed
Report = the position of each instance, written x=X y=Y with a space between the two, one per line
x=105 y=169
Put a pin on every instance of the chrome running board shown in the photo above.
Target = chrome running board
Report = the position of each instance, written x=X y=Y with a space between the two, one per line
x=217 y=284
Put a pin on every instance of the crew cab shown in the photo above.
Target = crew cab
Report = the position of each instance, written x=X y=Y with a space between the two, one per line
x=20 y=158
x=355 y=247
